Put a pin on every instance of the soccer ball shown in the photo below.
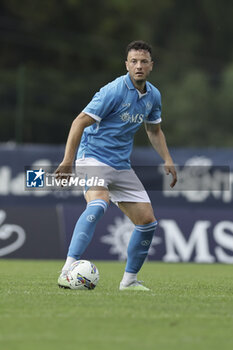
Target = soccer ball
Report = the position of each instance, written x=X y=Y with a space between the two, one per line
x=83 y=274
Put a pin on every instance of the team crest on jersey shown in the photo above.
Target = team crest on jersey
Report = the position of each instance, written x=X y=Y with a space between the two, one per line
x=149 y=105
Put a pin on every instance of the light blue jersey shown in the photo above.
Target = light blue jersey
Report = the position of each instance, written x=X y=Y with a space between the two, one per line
x=119 y=110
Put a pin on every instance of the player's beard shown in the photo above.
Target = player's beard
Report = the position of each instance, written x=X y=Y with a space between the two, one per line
x=139 y=82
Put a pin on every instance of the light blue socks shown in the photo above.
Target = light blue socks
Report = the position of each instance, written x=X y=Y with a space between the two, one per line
x=139 y=245
x=85 y=227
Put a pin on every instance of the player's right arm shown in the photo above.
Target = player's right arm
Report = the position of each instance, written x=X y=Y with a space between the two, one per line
x=79 y=124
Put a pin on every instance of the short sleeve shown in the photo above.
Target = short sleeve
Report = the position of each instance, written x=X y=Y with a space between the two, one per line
x=154 y=117
x=102 y=103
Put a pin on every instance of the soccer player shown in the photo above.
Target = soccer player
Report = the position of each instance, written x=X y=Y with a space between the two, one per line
x=103 y=134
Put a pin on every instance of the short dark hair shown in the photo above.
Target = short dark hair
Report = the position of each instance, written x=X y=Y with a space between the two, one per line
x=138 y=45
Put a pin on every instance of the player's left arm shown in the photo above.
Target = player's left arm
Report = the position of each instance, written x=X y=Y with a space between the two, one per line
x=158 y=141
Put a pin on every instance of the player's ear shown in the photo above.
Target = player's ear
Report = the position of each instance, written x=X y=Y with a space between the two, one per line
x=126 y=64
x=152 y=65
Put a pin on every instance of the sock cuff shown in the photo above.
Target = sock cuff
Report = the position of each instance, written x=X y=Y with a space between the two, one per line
x=147 y=227
x=98 y=202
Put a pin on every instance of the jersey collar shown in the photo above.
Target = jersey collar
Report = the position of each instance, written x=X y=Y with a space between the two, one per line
x=130 y=85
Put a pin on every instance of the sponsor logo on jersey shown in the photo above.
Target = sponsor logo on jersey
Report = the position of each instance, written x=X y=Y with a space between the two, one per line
x=132 y=118
x=126 y=105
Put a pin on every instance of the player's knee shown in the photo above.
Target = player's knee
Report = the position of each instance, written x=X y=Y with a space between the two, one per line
x=146 y=219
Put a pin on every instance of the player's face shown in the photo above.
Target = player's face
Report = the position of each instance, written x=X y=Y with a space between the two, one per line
x=139 y=65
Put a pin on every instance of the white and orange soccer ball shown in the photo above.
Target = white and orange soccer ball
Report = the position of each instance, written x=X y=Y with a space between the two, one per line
x=83 y=274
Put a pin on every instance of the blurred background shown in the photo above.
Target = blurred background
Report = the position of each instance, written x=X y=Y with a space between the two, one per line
x=56 y=54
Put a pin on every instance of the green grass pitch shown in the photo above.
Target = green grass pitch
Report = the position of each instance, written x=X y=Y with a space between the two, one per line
x=190 y=306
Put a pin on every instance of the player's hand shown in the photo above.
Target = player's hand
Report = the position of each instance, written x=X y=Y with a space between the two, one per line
x=63 y=171
x=170 y=169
